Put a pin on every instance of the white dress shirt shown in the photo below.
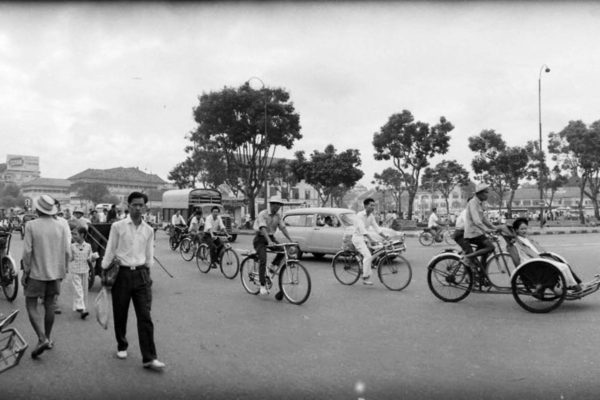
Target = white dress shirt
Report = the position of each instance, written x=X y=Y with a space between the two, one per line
x=133 y=246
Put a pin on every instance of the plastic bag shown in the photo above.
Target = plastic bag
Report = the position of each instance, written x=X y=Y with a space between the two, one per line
x=101 y=307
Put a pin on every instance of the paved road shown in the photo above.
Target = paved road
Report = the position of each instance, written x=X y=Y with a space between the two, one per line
x=220 y=342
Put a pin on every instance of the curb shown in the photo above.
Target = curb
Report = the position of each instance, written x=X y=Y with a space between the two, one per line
x=416 y=233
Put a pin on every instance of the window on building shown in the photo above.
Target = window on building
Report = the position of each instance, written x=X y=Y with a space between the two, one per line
x=295 y=194
x=307 y=194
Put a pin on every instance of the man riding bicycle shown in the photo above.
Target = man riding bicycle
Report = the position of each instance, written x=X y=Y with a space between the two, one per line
x=212 y=227
x=433 y=225
x=197 y=225
x=364 y=220
x=265 y=226
x=477 y=226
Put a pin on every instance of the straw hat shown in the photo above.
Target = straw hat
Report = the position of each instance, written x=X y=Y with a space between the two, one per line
x=481 y=187
x=276 y=199
x=45 y=204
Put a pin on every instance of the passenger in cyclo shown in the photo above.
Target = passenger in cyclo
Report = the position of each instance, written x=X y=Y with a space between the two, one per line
x=212 y=227
x=477 y=226
x=265 y=226
x=361 y=235
x=525 y=248
x=459 y=232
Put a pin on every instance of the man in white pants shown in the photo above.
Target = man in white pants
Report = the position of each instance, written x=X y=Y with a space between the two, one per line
x=366 y=219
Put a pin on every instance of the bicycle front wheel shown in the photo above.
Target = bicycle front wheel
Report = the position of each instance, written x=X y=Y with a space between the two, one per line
x=10 y=279
x=230 y=263
x=449 y=279
x=186 y=249
x=294 y=282
x=426 y=238
x=394 y=272
x=203 y=260
x=249 y=275
x=346 y=267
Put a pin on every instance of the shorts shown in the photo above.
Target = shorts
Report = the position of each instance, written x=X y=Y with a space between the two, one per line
x=36 y=288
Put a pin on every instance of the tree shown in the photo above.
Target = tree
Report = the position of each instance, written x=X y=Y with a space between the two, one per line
x=205 y=165
x=95 y=192
x=391 y=180
x=577 y=148
x=444 y=177
x=409 y=145
x=282 y=177
x=331 y=174
x=233 y=120
x=548 y=180
x=10 y=196
x=498 y=165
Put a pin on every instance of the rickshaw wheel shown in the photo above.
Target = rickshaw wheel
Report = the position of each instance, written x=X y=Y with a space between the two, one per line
x=449 y=279
x=539 y=287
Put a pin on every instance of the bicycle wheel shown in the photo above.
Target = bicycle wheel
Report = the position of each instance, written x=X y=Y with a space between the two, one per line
x=10 y=279
x=394 y=271
x=186 y=249
x=426 y=238
x=499 y=269
x=449 y=279
x=346 y=267
x=249 y=275
x=173 y=243
x=449 y=237
x=203 y=260
x=230 y=263
x=294 y=282
x=539 y=287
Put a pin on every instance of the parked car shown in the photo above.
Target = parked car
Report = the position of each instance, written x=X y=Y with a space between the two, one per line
x=321 y=231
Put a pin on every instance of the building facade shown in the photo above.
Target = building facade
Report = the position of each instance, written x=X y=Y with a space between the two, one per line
x=20 y=169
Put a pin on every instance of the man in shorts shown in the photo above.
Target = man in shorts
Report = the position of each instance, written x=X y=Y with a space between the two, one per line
x=46 y=253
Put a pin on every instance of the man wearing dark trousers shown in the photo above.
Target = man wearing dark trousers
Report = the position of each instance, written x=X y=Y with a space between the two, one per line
x=131 y=245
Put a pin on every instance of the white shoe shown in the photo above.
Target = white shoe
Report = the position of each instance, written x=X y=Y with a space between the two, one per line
x=263 y=291
x=367 y=281
x=155 y=365
x=122 y=354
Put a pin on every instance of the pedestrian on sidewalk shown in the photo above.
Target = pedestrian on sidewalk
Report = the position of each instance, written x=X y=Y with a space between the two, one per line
x=46 y=253
x=131 y=246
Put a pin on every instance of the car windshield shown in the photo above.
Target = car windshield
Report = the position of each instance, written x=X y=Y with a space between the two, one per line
x=348 y=219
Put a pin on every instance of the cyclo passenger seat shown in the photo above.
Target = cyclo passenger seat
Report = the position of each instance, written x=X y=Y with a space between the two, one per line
x=509 y=235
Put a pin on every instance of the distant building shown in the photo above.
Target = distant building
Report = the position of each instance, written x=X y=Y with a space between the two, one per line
x=57 y=188
x=20 y=169
x=121 y=181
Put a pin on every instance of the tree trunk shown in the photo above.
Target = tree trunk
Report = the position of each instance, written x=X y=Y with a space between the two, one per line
x=581 y=217
x=447 y=206
x=411 y=199
x=509 y=203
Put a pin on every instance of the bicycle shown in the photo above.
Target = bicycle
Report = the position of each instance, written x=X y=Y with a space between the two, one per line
x=393 y=270
x=445 y=234
x=9 y=276
x=228 y=260
x=12 y=344
x=175 y=236
x=188 y=247
x=294 y=279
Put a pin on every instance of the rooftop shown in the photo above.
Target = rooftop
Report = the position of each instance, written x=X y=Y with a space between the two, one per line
x=51 y=182
x=118 y=174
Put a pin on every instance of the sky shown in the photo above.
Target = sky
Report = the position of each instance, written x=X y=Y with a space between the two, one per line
x=102 y=85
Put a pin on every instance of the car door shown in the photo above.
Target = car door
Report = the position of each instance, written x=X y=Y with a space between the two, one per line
x=327 y=233
x=300 y=228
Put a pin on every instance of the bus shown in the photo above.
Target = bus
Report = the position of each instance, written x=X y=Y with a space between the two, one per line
x=189 y=200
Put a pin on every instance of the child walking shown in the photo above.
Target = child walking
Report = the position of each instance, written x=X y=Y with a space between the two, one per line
x=81 y=256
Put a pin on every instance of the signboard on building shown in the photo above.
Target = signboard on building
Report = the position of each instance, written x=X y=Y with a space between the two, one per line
x=22 y=163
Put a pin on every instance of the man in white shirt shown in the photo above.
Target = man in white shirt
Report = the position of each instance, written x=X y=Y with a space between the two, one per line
x=177 y=219
x=212 y=227
x=131 y=246
x=364 y=220
x=432 y=223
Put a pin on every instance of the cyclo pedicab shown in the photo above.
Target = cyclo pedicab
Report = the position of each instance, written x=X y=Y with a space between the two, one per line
x=537 y=284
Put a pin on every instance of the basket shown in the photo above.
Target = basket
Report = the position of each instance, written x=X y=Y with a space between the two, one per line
x=12 y=348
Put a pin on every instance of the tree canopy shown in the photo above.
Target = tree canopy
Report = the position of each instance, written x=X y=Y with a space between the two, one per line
x=444 y=177
x=410 y=145
x=331 y=174
x=95 y=192
x=391 y=180
x=246 y=125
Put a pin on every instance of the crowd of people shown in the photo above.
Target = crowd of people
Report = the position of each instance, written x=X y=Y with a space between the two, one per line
x=54 y=246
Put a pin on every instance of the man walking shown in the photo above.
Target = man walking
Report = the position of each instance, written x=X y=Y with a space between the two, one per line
x=46 y=253
x=131 y=246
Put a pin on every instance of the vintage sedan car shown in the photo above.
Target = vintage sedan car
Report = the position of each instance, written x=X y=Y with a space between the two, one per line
x=321 y=231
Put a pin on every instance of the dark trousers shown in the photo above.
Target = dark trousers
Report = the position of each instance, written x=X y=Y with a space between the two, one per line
x=135 y=286
x=459 y=238
x=260 y=245
x=215 y=246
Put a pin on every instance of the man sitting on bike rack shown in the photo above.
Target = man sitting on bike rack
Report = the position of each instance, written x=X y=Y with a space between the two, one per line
x=477 y=226
x=364 y=220
x=197 y=226
x=212 y=227
x=265 y=226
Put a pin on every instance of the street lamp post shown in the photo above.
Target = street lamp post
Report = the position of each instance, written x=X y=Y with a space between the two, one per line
x=265 y=135
x=544 y=68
